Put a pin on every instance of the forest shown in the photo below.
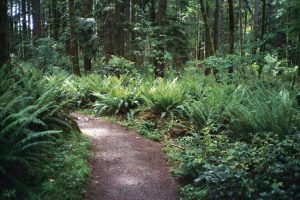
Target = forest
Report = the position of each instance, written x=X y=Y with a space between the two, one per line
x=215 y=82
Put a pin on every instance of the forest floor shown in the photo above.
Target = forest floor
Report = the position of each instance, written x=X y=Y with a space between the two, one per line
x=125 y=166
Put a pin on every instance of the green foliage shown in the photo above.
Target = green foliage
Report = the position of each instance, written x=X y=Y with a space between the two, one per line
x=118 y=66
x=47 y=55
x=66 y=177
x=148 y=129
x=165 y=98
x=266 y=168
x=225 y=62
x=32 y=122
x=119 y=100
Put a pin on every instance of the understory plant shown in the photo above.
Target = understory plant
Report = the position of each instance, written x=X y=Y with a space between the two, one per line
x=165 y=98
x=119 y=100
x=32 y=122
x=217 y=168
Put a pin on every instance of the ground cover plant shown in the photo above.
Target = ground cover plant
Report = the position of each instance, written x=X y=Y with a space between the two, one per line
x=33 y=123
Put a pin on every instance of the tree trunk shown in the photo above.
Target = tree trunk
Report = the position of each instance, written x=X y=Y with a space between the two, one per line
x=217 y=24
x=152 y=11
x=4 y=33
x=73 y=42
x=262 y=36
x=56 y=19
x=231 y=26
x=87 y=55
x=263 y=25
x=256 y=25
x=208 y=40
x=119 y=34
x=159 y=65
x=24 y=22
x=36 y=19
x=29 y=19
x=241 y=28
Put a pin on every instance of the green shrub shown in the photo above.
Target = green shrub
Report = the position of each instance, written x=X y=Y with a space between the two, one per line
x=266 y=168
x=46 y=55
x=210 y=106
x=165 y=98
x=66 y=177
x=28 y=128
x=245 y=109
x=119 y=100
x=118 y=66
x=31 y=122
x=263 y=110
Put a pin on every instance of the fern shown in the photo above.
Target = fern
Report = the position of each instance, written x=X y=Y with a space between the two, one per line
x=165 y=98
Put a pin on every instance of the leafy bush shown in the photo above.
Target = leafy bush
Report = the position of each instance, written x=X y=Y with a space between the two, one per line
x=118 y=66
x=119 y=100
x=31 y=122
x=223 y=63
x=263 y=110
x=67 y=175
x=245 y=109
x=46 y=54
x=266 y=168
x=165 y=98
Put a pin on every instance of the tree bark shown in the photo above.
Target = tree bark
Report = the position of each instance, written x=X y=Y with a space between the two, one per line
x=4 y=33
x=256 y=15
x=208 y=41
x=24 y=22
x=36 y=18
x=241 y=28
x=87 y=55
x=217 y=24
x=159 y=65
x=56 y=19
x=231 y=26
x=262 y=36
x=119 y=34
x=73 y=42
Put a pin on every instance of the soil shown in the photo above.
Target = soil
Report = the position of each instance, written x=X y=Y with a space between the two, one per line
x=125 y=166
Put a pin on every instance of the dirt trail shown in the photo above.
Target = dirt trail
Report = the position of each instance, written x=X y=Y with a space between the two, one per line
x=125 y=166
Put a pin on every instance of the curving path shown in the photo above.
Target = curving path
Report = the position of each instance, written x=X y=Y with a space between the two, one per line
x=125 y=166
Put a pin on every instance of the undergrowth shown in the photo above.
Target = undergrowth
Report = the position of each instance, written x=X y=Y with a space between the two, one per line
x=34 y=128
x=228 y=136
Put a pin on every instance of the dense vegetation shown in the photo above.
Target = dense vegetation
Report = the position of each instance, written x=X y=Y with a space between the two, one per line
x=225 y=107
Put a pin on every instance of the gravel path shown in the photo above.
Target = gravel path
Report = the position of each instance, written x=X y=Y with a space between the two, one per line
x=125 y=165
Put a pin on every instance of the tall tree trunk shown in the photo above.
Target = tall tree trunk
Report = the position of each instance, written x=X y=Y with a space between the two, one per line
x=217 y=24
x=231 y=26
x=87 y=54
x=256 y=15
x=209 y=41
x=262 y=36
x=29 y=19
x=159 y=65
x=24 y=22
x=152 y=11
x=208 y=38
x=119 y=34
x=241 y=28
x=263 y=25
x=73 y=42
x=4 y=33
x=208 y=49
x=56 y=19
x=36 y=18
x=105 y=29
